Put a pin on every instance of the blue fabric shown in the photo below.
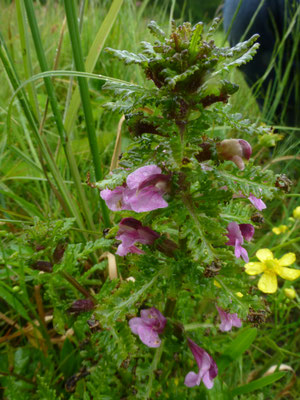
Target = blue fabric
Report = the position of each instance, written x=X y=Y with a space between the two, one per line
x=270 y=23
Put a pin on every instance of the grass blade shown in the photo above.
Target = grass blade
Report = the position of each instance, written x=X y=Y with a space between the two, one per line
x=26 y=56
x=257 y=384
x=92 y=58
x=84 y=93
x=65 y=197
x=240 y=344
x=57 y=115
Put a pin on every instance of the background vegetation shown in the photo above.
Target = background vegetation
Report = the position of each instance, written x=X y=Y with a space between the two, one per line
x=47 y=352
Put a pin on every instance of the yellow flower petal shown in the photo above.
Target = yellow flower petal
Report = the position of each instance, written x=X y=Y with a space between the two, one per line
x=276 y=230
x=290 y=293
x=279 y=229
x=287 y=259
x=296 y=212
x=239 y=294
x=268 y=282
x=264 y=255
x=216 y=283
x=288 y=273
x=254 y=268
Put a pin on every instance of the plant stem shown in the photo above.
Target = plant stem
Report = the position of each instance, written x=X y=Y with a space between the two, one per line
x=92 y=58
x=154 y=365
x=280 y=246
x=169 y=307
x=77 y=286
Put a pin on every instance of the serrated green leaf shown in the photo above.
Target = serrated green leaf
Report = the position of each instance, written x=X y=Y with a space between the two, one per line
x=156 y=30
x=148 y=49
x=127 y=57
x=213 y=27
x=116 y=179
x=171 y=81
x=118 y=306
x=196 y=39
x=246 y=57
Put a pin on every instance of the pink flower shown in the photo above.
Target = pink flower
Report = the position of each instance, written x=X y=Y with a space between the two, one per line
x=114 y=199
x=235 y=150
x=143 y=191
x=236 y=234
x=228 y=320
x=258 y=203
x=208 y=369
x=131 y=231
x=151 y=323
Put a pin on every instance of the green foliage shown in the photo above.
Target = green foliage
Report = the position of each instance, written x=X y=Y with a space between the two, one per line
x=170 y=123
x=176 y=118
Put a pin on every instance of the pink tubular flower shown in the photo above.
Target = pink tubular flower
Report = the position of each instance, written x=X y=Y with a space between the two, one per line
x=236 y=234
x=151 y=323
x=258 y=203
x=131 y=231
x=235 y=150
x=228 y=320
x=208 y=369
x=143 y=192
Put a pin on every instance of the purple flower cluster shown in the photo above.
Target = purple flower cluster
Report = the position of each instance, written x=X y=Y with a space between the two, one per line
x=143 y=191
x=151 y=324
x=132 y=231
x=236 y=234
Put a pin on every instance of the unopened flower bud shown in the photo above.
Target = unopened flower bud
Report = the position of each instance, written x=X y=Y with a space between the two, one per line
x=44 y=266
x=283 y=183
x=296 y=212
x=290 y=293
x=82 y=305
x=59 y=252
x=167 y=246
x=236 y=150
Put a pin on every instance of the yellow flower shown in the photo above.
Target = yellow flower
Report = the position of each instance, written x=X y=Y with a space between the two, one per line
x=279 y=229
x=290 y=293
x=271 y=267
x=239 y=294
x=296 y=212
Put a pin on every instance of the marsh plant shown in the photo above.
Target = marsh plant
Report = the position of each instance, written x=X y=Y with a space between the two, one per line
x=184 y=197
